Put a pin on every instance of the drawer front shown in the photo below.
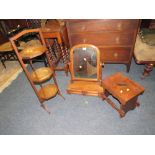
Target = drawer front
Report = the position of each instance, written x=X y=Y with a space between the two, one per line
x=103 y=38
x=103 y=25
x=115 y=55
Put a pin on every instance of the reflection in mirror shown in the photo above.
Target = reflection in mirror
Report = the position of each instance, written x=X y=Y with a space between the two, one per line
x=85 y=62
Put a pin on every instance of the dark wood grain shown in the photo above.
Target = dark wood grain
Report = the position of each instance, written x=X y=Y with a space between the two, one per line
x=124 y=90
x=114 y=37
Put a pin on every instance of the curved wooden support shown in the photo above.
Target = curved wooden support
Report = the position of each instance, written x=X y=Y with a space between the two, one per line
x=109 y=101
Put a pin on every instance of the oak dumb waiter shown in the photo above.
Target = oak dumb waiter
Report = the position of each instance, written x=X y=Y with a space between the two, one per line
x=37 y=76
x=114 y=37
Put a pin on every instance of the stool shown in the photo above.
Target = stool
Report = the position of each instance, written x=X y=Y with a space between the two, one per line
x=124 y=90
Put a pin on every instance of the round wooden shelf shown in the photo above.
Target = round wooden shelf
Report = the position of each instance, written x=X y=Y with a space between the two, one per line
x=41 y=74
x=7 y=46
x=48 y=91
x=32 y=52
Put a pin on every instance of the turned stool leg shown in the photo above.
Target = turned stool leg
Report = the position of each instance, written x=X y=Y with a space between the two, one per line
x=119 y=110
x=148 y=68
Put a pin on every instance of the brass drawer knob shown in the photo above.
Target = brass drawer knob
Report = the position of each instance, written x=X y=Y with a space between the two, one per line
x=119 y=26
x=115 y=55
x=117 y=40
x=83 y=28
x=84 y=40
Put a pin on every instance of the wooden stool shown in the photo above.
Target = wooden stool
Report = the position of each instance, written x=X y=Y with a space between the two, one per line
x=124 y=90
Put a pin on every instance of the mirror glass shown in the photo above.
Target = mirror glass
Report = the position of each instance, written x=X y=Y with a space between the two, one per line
x=85 y=62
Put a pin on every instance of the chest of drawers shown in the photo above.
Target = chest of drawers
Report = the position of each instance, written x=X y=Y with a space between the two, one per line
x=114 y=37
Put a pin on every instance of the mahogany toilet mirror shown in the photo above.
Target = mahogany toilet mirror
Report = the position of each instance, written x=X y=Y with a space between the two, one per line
x=86 y=70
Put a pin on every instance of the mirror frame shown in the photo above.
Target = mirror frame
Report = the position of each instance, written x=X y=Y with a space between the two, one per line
x=73 y=78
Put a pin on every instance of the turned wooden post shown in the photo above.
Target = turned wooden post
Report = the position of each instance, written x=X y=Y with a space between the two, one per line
x=148 y=68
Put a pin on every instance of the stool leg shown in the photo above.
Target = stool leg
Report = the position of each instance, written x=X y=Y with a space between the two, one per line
x=137 y=104
x=120 y=111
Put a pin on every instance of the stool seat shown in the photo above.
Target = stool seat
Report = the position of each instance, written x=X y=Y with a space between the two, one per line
x=41 y=74
x=122 y=88
x=143 y=52
x=32 y=52
x=48 y=91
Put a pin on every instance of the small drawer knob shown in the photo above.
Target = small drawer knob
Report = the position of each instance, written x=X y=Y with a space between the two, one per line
x=119 y=26
x=117 y=40
x=115 y=55
x=83 y=28
x=84 y=40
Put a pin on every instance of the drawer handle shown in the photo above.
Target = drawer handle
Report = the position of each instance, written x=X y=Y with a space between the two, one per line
x=117 y=40
x=115 y=55
x=119 y=26
x=84 y=40
x=83 y=28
